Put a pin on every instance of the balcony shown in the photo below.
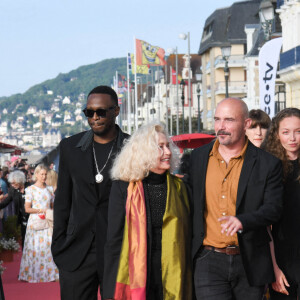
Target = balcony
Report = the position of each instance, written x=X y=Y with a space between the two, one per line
x=234 y=87
x=207 y=68
x=208 y=91
x=234 y=61
x=290 y=58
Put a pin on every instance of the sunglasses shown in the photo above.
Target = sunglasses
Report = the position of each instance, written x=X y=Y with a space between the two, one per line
x=100 y=112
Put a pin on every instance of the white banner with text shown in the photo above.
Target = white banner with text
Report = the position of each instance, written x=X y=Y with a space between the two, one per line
x=268 y=60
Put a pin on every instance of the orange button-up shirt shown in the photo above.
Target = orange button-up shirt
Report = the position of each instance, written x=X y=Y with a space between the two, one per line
x=221 y=191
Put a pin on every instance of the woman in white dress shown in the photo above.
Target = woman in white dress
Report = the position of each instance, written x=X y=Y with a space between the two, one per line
x=37 y=264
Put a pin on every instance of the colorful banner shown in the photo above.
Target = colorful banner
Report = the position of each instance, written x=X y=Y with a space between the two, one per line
x=147 y=54
x=268 y=60
x=174 y=77
x=139 y=69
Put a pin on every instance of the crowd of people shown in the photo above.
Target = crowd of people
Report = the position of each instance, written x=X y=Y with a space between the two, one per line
x=132 y=221
x=28 y=193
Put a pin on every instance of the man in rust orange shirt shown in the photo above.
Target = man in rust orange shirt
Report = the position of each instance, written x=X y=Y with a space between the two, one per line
x=237 y=193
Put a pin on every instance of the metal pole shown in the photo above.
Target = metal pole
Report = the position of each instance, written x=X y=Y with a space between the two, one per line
x=135 y=94
x=167 y=115
x=141 y=97
x=182 y=101
x=152 y=95
x=171 y=102
x=158 y=85
x=226 y=73
x=177 y=96
x=199 y=117
x=189 y=86
x=128 y=99
x=147 y=98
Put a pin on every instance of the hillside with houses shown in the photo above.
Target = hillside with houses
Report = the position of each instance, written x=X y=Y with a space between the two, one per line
x=53 y=109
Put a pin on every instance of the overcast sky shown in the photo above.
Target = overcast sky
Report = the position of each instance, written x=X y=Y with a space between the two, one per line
x=41 y=38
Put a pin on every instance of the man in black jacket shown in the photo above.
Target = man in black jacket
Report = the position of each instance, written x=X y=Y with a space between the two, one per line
x=81 y=201
x=237 y=192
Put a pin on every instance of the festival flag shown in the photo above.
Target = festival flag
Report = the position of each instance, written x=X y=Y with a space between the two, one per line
x=129 y=61
x=139 y=69
x=147 y=54
x=120 y=86
x=174 y=77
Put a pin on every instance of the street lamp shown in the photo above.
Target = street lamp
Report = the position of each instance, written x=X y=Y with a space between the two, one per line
x=199 y=81
x=182 y=84
x=184 y=36
x=171 y=51
x=132 y=85
x=266 y=16
x=226 y=50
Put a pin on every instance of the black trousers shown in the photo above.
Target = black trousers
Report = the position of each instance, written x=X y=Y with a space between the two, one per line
x=83 y=283
x=1 y=290
x=218 y=276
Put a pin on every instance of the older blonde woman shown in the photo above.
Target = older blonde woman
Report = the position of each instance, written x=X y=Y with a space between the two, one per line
x=147 y=255
x=52 y=179
x=37 y=264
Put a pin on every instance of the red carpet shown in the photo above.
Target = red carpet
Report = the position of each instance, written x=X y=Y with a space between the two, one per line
x=15 y=289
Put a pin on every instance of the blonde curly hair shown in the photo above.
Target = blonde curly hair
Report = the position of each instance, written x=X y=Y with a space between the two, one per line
x=139 y=153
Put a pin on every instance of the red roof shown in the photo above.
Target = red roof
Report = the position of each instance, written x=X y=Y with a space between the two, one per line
x=6 y=148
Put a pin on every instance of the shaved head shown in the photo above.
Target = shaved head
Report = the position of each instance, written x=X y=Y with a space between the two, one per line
x=237 y=104
x=231 y=122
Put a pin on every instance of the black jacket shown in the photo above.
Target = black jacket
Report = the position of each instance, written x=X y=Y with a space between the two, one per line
x=19 y=203
x=258 y=205
x=80 y=216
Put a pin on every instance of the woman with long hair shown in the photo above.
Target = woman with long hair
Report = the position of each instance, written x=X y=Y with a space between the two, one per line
x=52 y=179
x=37 y=264
x=283 y=141
x=147 y=254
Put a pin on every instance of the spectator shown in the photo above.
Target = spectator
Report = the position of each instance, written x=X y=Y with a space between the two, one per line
x=283 y=141
x=52 y=179
x=16 y=196
x=260 y=122
x=37 y=264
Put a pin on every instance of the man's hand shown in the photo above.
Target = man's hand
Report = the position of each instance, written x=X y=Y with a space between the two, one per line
x=231 y=225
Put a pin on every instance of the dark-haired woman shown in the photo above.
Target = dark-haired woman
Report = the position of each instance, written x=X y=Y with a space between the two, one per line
x=283 y=141
x=259 y=126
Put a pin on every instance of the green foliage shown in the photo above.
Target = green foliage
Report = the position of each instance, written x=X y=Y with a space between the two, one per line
x=11 y=228
x=81 y=80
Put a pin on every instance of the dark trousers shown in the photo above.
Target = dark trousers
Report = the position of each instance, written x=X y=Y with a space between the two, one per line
x=221 y=276
x=83 y=283
x=1 y=290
